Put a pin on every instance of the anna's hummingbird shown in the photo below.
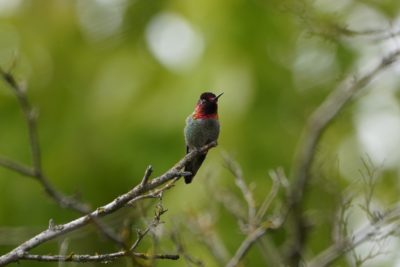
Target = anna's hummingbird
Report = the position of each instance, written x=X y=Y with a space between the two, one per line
x=202 y=128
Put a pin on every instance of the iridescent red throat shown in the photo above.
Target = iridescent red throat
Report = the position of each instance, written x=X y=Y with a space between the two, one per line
x=200 y=113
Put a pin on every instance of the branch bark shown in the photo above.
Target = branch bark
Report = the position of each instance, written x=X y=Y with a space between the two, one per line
x=246 y=245
x=389 y=219
x=116 y=204
x=103 y=258
x=315 y=127
x=36 y=171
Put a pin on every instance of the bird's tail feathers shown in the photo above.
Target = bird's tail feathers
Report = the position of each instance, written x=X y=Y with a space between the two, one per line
x=193 y=166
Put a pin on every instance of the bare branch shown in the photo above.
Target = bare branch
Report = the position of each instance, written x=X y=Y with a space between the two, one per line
x=103 y=258
x=176 y=239
x=316 y=126
x=231 y=203
x=389 y=222
x=29 y=116
x=16 y=167
x=369 y=176
x=36 y=172
x=227 y=199
x=255 y=227
x=339 y=230
x=109 y=208
x=235 y=169
x=246 y=245
x=158 y=193
x=203 y=226
x=156 y=221
x=147 y=175
x=276 y=177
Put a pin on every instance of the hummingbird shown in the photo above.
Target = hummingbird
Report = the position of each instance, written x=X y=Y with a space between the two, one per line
x=202 y=128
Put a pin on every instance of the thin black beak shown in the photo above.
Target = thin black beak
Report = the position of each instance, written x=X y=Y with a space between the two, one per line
x=216 y=98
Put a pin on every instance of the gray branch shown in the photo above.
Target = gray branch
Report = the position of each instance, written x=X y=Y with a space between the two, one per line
x=36 y=171
x=255 y=227
x=16 y=167
x=237 y=172
x=389 y=221
x=246 y=245
x=317 y=123
x=103 y=258
x=109 y=208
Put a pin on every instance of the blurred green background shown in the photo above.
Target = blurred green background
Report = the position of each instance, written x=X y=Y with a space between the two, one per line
x=113 y=82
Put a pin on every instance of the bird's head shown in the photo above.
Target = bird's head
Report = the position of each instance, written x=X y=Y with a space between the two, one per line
x=207 y=106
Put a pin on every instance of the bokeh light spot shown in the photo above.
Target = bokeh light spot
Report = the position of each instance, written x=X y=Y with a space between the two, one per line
x=9 y=7
x=315 y=63
x=378 y=128
x=100 y=19
x=174 y=42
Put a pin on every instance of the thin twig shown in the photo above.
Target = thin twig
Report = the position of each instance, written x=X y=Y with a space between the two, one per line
x=389 y=220
x=245 y=246
x=237 y=172
x=181 y=249
x=227 y=199
x=255 y=227
x=147 y=175
x=276 y=178
x=158 y=192
x=316 y=126
x=29 y=116
x=109 y=208
x=203 y=226
x=142 y=234
x=37 y=173
x=16 y=167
